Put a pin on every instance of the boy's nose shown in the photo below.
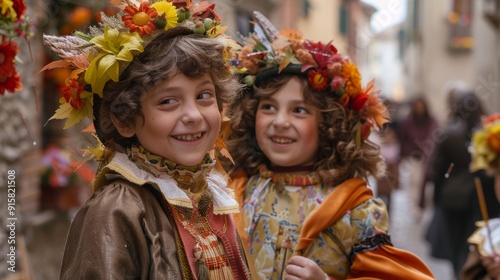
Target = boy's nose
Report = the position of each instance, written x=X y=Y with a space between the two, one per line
x=191 y=114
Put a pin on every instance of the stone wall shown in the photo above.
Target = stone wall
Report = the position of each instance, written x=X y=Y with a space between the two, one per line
x=20 y=146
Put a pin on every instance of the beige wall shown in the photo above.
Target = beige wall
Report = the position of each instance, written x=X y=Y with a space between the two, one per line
x=486 y=63
x=431 y=64
x=323 y=23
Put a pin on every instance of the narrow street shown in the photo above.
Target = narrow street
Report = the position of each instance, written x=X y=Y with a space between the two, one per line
x=408 y=234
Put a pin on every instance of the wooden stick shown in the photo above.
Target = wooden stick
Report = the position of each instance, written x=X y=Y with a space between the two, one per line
x=447 y=175
x=484 y=211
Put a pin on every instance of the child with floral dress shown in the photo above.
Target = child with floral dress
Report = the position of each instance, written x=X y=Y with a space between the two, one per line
x=154 y=79
x=302 y=156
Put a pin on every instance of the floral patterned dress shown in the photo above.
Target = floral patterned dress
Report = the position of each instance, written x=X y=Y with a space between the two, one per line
x=274 y=215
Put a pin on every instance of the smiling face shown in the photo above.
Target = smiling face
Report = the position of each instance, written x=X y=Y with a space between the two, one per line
x=180 y=121
x=287 y=128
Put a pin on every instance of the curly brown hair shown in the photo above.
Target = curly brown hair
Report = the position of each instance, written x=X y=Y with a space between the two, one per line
x=176 y=51
x=338 y=157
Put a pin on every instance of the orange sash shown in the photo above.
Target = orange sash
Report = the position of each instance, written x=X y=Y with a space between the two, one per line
x=352 y=192
x=384 y=262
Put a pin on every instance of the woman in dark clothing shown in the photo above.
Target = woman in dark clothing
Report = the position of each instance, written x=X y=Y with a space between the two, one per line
x=455 y=199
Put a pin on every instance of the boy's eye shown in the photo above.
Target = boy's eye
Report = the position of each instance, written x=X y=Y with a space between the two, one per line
x=205 y=95
x=167 y=101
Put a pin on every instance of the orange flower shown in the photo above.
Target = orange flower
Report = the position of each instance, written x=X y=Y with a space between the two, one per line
x=352 y=78
x=140 y=18
x=318 y=80
x=71 y=93
x=10 y=83
x=8 y=51
x=374 y=110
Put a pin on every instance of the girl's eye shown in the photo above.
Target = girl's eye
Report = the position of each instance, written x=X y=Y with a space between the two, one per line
x=266 y=106
x=205 y=95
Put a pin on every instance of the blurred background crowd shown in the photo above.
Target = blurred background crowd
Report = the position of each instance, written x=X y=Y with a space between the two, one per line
x=437 y=64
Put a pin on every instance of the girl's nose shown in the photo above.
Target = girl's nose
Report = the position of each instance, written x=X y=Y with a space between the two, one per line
x=281 y=121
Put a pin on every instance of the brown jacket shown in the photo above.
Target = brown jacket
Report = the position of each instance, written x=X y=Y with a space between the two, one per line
x=125 y=231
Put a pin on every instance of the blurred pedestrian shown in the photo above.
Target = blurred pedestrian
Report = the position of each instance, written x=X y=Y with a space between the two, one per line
x=415 y=137
x=455 y=199
x=390 y=150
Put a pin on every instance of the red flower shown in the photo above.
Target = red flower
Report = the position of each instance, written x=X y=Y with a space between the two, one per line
x=140 y=18
x=359 y=101
x=181 y=3
x=71 y=93
x=321 y=52
x=205 y=10
x=8 y=51
x=318 y=80
x=10 y=83
x=19 y=7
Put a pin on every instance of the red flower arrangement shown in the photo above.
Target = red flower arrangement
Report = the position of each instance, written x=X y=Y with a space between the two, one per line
x=13 y=25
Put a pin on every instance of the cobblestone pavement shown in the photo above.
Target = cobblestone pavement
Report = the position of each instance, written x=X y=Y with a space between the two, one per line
x=408 y=233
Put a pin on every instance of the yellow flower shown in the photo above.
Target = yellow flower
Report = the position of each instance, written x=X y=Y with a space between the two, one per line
x=8 y=4
x=485 y=148
x=352 y=79
x=115 y=46
x=167 y=9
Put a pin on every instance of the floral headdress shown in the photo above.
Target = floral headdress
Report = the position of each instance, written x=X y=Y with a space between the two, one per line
x=104 y=53
x=268 y=53
x=13 y=25
x=485 y=148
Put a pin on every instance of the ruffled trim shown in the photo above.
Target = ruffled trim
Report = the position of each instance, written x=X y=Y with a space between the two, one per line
x=223 y=197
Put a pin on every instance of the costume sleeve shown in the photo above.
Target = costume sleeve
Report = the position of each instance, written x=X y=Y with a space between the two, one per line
x=387 y=262
x=373 y=256
x=106 y=239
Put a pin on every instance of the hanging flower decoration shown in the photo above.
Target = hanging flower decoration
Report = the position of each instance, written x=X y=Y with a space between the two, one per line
x=8 y=52
x=11 y=82
x=485 y=147
x=326 y=70
x=105 y=51
x=13 y=25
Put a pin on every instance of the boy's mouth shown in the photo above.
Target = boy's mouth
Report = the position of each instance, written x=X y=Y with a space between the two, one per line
x=188 y=137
